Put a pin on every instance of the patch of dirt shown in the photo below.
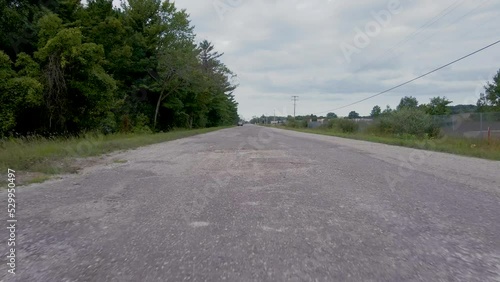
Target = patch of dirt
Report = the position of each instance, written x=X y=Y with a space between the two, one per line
x=68 y=166
x=27 y=177
x=81 y=163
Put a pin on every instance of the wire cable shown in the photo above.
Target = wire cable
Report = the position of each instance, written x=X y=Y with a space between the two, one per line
x=397 y=55
x=422 y=28
x=413 y=79
x=460 y=18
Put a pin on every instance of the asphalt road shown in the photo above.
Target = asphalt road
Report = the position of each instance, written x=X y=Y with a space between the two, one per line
x=260 y=204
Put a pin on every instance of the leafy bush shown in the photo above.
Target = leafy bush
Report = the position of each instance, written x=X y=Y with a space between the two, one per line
x=347 y=125
x=141 y=124
x=344 y=125
x=126 y=124
x=406 y=122
x=330 y=124
x=108 y=124
x=291 y=122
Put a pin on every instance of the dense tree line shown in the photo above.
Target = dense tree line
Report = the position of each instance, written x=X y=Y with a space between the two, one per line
x=66 y=68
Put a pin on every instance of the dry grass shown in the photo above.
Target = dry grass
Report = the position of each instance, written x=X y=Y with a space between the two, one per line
x=42 y=157
x=479 y=148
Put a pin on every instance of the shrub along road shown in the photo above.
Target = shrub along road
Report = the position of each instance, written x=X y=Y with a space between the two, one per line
x=264 y=204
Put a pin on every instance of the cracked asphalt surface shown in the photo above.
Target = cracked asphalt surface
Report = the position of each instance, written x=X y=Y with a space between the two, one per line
x=262 y=204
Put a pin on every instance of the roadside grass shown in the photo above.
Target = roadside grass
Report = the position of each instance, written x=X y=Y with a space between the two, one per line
x=479 y=148
x=39 y=179
x=50 y=156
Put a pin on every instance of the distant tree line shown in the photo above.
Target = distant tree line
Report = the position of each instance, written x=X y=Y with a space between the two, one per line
x=67 y=68
x=489 y=101
x=408 y=120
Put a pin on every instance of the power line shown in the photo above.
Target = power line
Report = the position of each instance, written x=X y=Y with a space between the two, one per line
x=416 y=78
x=427 y=24
x=432 y=21
x=460 y=18
x=432 y=35
x=397 y=55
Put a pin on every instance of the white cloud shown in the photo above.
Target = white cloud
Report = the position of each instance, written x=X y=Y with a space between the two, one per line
x=281 y=48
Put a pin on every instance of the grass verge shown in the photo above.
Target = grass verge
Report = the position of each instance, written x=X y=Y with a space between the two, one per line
x=41 y=157
x=479 y=148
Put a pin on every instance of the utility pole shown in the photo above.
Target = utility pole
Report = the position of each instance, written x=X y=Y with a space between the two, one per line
x=294 y=99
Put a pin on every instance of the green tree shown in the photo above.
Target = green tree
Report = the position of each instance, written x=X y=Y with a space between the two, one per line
x=222 y=107
x=407 y=121
x=173 y=74
x=387 y=110
x=490 y=99
x=458 y=109
x=78 y=91
x=331 y=115
x=408 y=102
x=18 y=31
x=85 y=67
x=19 y=92
x=353 y=115
x=438 y=106
x=376 y=111
x=162 y=57
x=7 y=112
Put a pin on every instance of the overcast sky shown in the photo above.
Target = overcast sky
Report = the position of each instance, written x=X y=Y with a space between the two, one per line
x=332 y=53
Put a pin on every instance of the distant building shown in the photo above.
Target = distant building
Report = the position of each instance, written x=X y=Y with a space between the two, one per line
x=319 y=120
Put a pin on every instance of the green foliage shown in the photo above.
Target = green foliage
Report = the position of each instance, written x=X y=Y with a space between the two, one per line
x=108 y=124
x=18 y=26
x=49 y=25
x=78 y=91
x=141 y=124
x=331 y=115
x=353 y=115
x=6 y=71
x=296 y=123
x=406 y=121
x=18 y=92
x=96 y=68
x=343 y=125
x=25 y=92
x=479 y=148
x=27 y=66
x=387 y=110
x=376 y=111
x=458 y=109
x=348 y=126
x=408 y=102
x=438 y=106
x=490 y=99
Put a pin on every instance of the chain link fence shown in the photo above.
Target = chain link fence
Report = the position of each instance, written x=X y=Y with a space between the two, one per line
x=470 y=125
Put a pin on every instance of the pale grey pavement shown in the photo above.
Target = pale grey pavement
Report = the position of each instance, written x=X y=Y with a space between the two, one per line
x=261 y=204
